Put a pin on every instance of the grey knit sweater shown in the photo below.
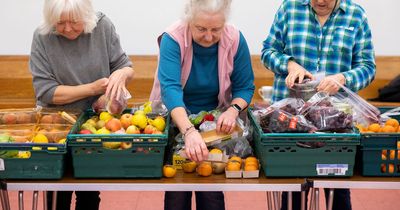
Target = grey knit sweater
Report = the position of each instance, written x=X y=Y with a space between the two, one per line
x=55 y=61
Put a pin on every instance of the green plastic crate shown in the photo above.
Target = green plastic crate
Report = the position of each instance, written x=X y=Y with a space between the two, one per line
x=90 y=160
x=374 y=146
x=45 y=162
x=287 y=155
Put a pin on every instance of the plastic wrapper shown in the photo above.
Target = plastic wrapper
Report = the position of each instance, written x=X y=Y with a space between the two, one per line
x=17 y=116
x=279 y=121
x=329 y=118
x=304 y=90
x=363 y=112
x=236 y=147
x=112 y=105
x=290 y=105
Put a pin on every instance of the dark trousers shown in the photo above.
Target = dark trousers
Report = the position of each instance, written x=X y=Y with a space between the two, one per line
x=204 y=201
x=85 y=200
x=341 y=199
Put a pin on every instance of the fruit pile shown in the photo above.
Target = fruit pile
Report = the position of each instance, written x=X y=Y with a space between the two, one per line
x=198 y=119
x=390 y=126
x=137 y=123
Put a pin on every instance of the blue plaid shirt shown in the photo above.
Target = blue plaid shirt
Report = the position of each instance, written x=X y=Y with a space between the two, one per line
x=342 y=45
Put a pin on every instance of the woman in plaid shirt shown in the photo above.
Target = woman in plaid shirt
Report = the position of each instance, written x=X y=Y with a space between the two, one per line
x=328 y=37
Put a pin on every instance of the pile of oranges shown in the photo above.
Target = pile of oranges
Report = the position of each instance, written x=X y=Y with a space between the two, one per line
x=235 y=164
x=390 y=126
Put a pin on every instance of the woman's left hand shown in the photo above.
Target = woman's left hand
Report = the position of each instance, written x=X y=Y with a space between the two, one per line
x=118 y=79
x=227 y=121
x=330 y=84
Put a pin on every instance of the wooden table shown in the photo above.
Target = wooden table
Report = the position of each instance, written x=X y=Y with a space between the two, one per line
x=181 y=182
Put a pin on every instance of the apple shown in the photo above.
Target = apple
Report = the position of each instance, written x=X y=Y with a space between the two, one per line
x=113 y=125
x=126 y=120
x=132 y=130
x=91 y=121
x=9 y=118
x=149 y=129
x=24 y=118
x=157 y=132
x=46 y=119
x=100 y=124
x=85 y=131
x=126 y=145
x=57 y=119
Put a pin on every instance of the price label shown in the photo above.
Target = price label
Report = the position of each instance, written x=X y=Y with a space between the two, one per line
x=334 y=169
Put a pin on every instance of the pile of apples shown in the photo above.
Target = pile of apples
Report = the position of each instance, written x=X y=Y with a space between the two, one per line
x=137 y=123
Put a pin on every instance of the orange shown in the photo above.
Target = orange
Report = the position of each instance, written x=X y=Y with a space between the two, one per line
x=361 y=128
x=233 y=166
x=204 y=169
x=215 y=151
x=250 y=167
x=392 y=122
x=392 y=154
x=189 y=166
x=388 y=129
x=375 y=127
x=169 y=171
x=236 y=158
x=391 y=168
x=251 y=159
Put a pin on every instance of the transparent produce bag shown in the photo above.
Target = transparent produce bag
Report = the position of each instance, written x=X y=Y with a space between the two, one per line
x=112 y=105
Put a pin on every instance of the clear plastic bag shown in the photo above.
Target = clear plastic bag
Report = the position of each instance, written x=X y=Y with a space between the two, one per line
x=363 y=112
x=279 y=121
x=114 y=105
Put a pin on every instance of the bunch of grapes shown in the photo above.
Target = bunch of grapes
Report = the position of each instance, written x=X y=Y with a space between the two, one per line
x=280 y=121
x=327 y=118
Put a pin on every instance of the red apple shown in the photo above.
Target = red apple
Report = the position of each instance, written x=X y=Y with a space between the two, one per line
x=157 y=132
x=149 y=129
x=126 y=120
x=132 y=130
x=113 y=125
x=85 y=131
x=9 y=118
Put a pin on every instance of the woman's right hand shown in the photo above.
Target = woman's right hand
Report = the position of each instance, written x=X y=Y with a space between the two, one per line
x=99 y=86
x=195 y=148
x=295 y=71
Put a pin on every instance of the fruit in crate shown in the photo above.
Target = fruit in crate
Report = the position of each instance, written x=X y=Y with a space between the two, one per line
x=126 y=120
x=85 y=131
x=5 y=138
x=139 y=120
x=126 y=145
x=113 y=125
x=390 y=126
x=40 y=138
x=24 y=154
x=149 y=129
x=103 y=131
x=100 y=124
x=87 y=126
x=112 y=145
x=105 y=116
x=132 y=130
x=9 y=118
x=23 y=118
x=189 y=166
x=169 y=171
x=158 y=123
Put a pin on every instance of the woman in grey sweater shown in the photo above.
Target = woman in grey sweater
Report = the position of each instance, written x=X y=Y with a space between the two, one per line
x=76 y=56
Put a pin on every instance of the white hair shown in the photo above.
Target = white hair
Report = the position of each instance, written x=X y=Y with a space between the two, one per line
x=213 y=6
x=79 y=9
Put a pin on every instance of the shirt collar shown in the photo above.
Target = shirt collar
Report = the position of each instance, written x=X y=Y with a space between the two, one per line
x=343 y=4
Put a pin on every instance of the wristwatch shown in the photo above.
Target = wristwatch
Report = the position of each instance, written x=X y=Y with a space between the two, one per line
x=236 y=107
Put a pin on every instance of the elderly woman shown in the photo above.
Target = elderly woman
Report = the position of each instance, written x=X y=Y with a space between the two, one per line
x=331 y=38
x=75 y=57
x=204 y=64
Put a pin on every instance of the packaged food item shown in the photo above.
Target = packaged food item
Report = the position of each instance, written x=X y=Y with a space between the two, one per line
x=304 y=90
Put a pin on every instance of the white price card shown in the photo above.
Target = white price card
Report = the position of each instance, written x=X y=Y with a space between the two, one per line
x=333 y=169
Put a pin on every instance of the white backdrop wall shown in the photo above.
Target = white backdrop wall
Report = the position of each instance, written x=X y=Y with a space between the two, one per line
x=139 y=22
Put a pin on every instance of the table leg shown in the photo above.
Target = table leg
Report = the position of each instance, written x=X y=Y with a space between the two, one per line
x=303 y=200
x=6 y=199
x=44 y=200
x=54 y=201
x=269 y=200
x=21 y=200
x=330 y=199
x=3 y=202
x=277 y=202
x=312 y=199
x=35 y=200
x=317 y=199
x=290 y=201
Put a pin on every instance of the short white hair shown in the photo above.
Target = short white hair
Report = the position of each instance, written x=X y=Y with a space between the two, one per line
x=79 y=9
x=213 y=6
